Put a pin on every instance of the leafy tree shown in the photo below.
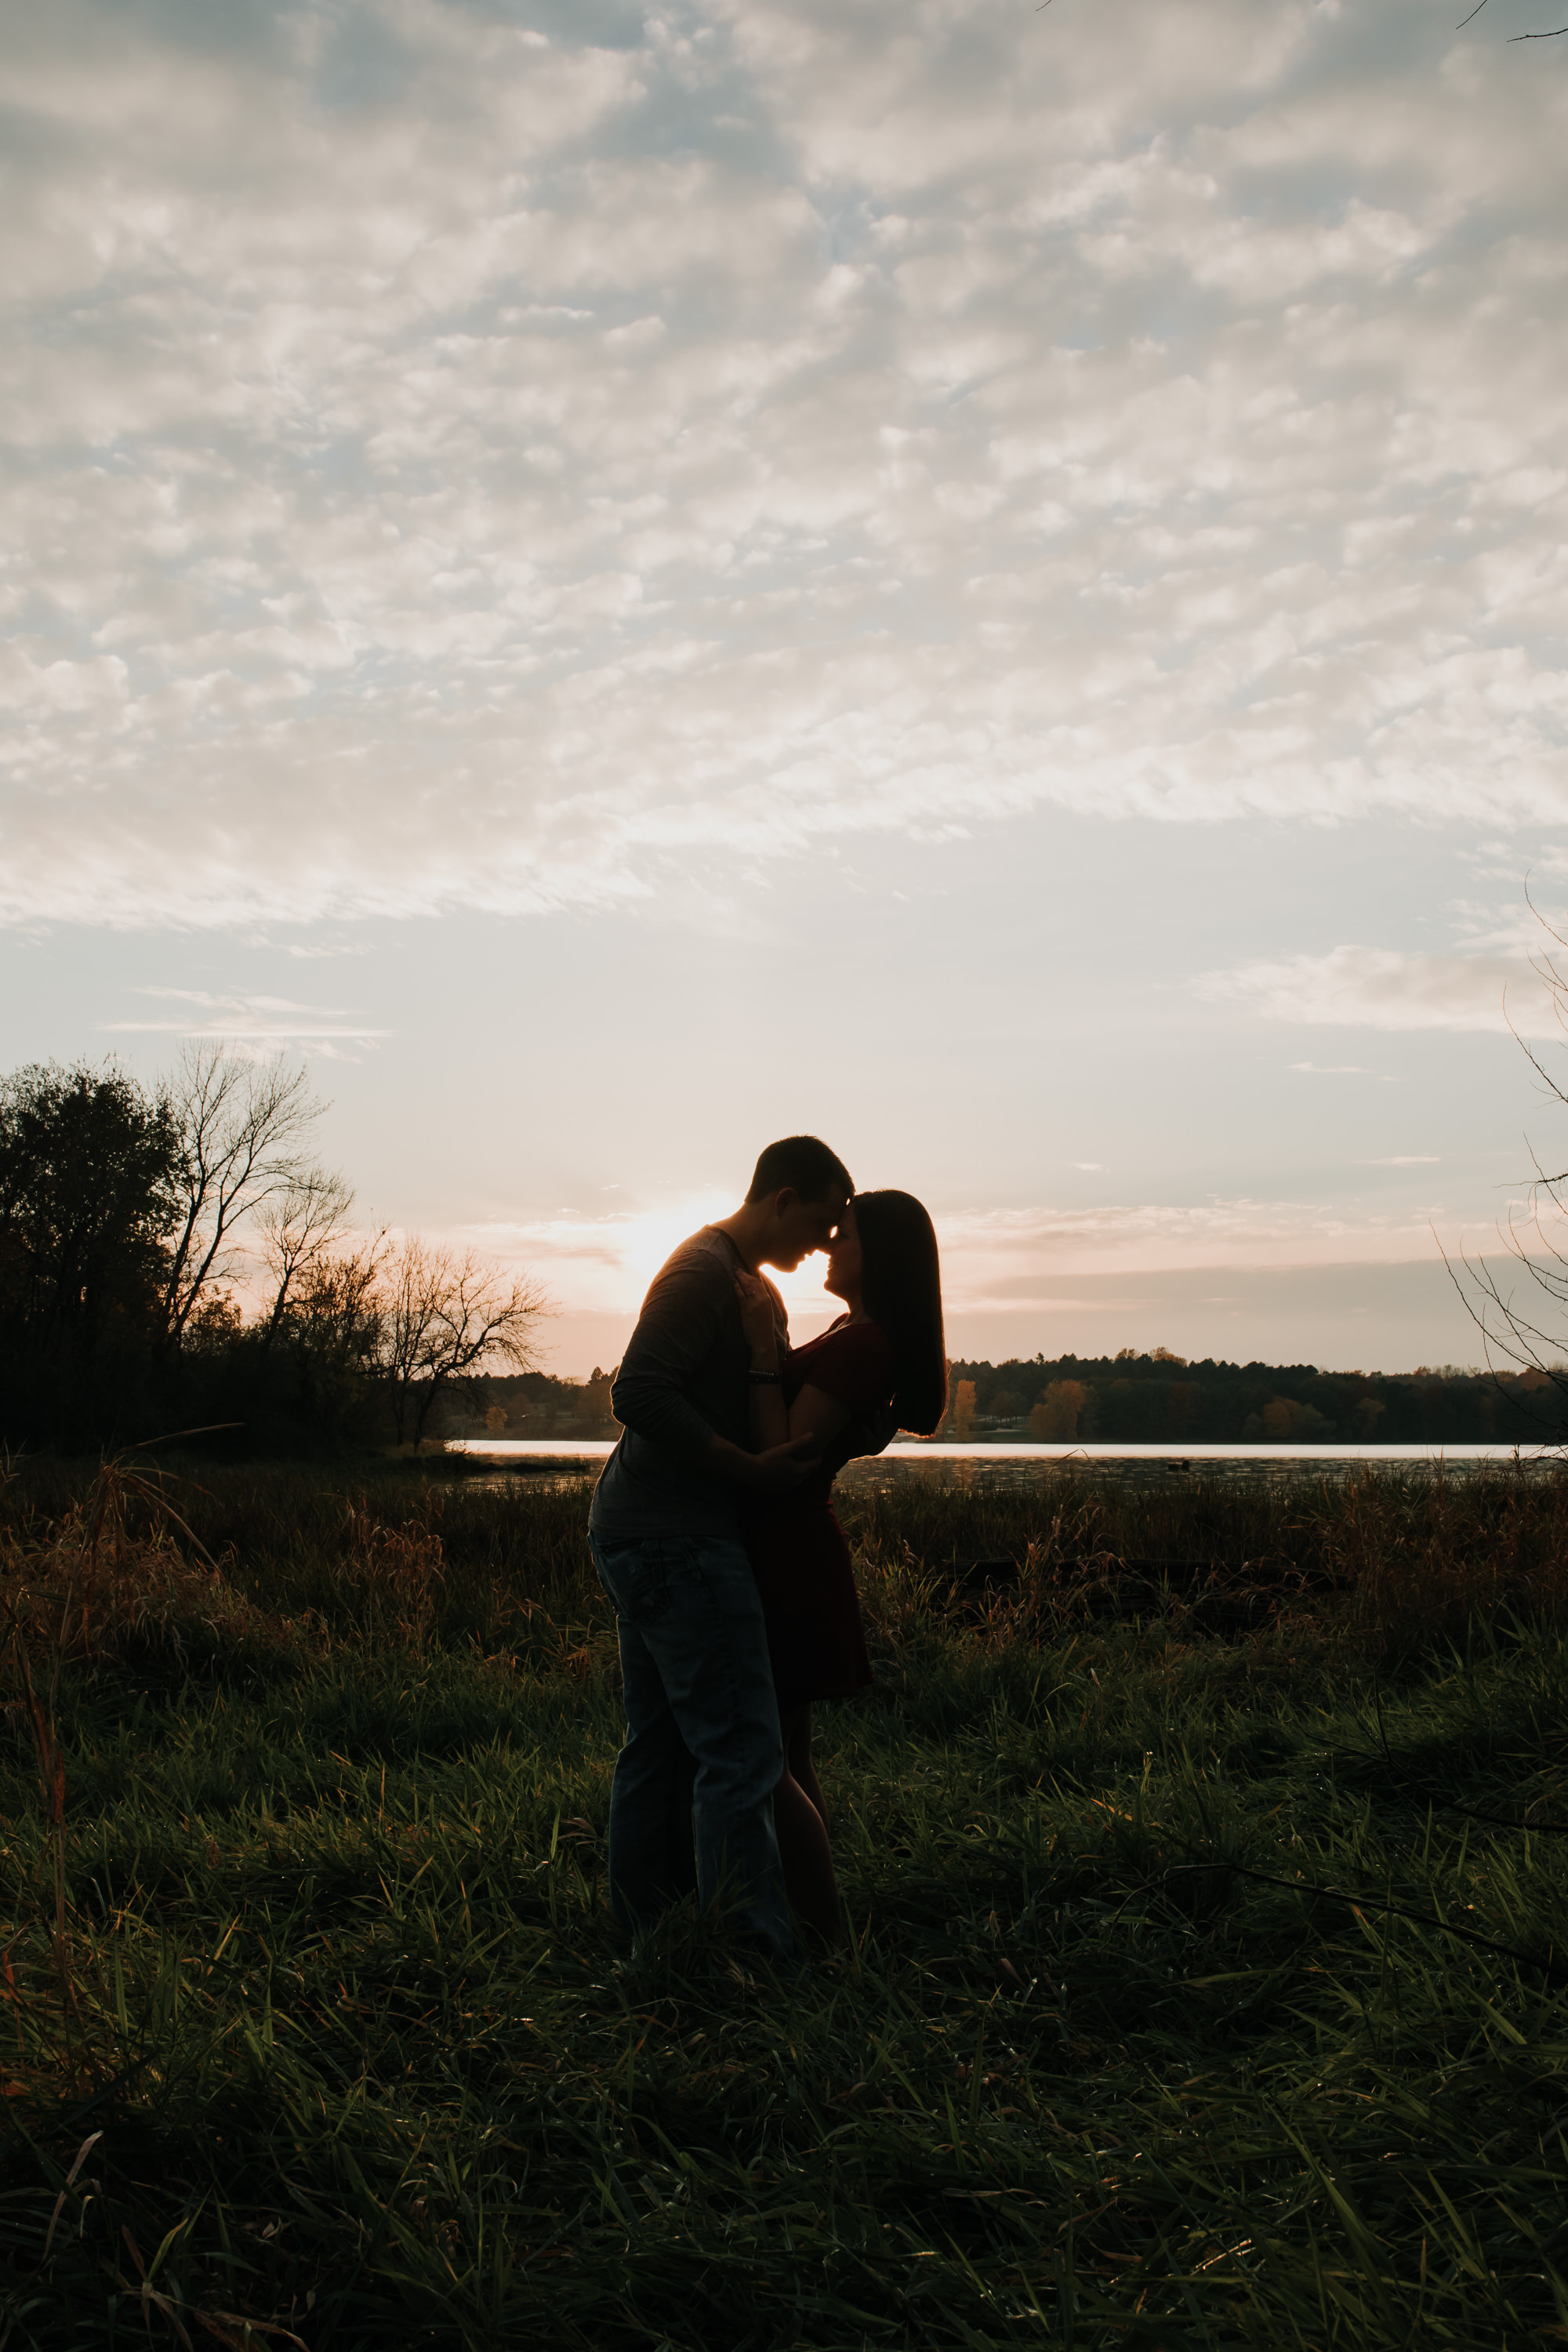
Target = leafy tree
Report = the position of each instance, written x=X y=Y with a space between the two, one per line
x=1183 y=1403
x=1057 y=1413
x=1287 y=1420
x=327 y=1340
x=1131 y=1399
x=89 y=1201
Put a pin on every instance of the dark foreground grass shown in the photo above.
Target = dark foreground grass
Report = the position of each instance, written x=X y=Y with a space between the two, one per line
x=1207 y=1989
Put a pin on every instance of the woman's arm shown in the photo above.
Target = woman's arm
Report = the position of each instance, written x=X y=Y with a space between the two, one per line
x=817 y=1414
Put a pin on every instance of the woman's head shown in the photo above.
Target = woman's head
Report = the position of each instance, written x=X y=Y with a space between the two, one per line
x=901 y=1288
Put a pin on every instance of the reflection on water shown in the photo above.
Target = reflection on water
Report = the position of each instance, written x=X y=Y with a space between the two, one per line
x=909 y=1449
x=1000 y=1469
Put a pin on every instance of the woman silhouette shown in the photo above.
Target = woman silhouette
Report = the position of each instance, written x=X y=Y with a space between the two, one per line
x=881 y=1368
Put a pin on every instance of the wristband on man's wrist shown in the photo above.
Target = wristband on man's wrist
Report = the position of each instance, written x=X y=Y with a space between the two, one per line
x=765 y=1380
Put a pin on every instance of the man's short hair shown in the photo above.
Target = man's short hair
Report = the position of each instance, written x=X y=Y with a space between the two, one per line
x=805 y=1162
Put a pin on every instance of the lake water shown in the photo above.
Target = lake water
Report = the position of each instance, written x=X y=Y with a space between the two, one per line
x=1006 y=1466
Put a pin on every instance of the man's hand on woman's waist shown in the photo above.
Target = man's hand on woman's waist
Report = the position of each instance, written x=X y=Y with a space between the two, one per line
x=776 y=1472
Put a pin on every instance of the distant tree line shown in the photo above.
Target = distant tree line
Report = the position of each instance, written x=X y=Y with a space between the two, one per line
x=1161 y=1398
x=532 y=1405
x=176 y=1257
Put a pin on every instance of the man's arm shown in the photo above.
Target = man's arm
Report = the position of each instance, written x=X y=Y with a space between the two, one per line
x=681 y=1317
x=773 y=1472
x=765 y=1327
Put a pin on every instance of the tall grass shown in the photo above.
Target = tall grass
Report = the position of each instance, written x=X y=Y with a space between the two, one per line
x=1204 y=1854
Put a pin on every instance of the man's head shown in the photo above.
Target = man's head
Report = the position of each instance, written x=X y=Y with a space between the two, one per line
x=798 y=1194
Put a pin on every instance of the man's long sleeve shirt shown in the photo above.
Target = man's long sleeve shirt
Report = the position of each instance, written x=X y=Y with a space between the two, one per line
x=683 y=1381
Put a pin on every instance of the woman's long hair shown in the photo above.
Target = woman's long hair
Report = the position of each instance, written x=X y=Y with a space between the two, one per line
x=901 y=1288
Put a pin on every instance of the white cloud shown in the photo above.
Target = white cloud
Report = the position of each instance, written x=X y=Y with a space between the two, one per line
x=249 y=1020
x=1001 y=1258
x=1381 y=988
x=997 y=1260
x=456 y=467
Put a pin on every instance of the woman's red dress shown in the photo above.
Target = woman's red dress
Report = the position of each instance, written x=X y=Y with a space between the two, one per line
x=797 y=1546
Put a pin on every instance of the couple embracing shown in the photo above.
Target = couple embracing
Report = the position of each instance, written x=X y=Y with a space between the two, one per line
x=714 y=1536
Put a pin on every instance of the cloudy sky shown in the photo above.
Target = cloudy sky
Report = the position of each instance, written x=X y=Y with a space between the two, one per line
x=985 y=580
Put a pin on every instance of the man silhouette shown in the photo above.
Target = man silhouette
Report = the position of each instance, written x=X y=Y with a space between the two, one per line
x=691 y=1807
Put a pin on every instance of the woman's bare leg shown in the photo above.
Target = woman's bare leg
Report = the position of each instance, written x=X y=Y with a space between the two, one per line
x=807 y=1860
x=796 y=1723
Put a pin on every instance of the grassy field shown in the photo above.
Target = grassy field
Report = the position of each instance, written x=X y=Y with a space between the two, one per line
x=1206 y=1854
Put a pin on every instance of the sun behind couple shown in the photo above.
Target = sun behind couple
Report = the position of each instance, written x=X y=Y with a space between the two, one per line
x=714 y=1535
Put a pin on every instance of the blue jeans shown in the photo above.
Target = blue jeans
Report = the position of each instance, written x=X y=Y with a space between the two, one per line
x=692 y=1805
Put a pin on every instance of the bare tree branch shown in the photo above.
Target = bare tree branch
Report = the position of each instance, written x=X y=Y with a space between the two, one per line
x=1476 y=11
x=1528 y=1331
x=242 y=1125
x=445 y=1316
x=299 y=1227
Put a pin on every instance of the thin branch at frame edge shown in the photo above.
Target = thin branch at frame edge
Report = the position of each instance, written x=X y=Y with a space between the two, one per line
x=1522 y=1352
x=1556 y=36
x=1524 y=1335
x=1471 y=17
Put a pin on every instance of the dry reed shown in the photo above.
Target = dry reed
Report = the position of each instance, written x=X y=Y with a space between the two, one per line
x=1206 y=1991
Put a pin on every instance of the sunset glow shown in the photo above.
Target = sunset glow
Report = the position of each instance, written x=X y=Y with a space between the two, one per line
x=629 y=582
